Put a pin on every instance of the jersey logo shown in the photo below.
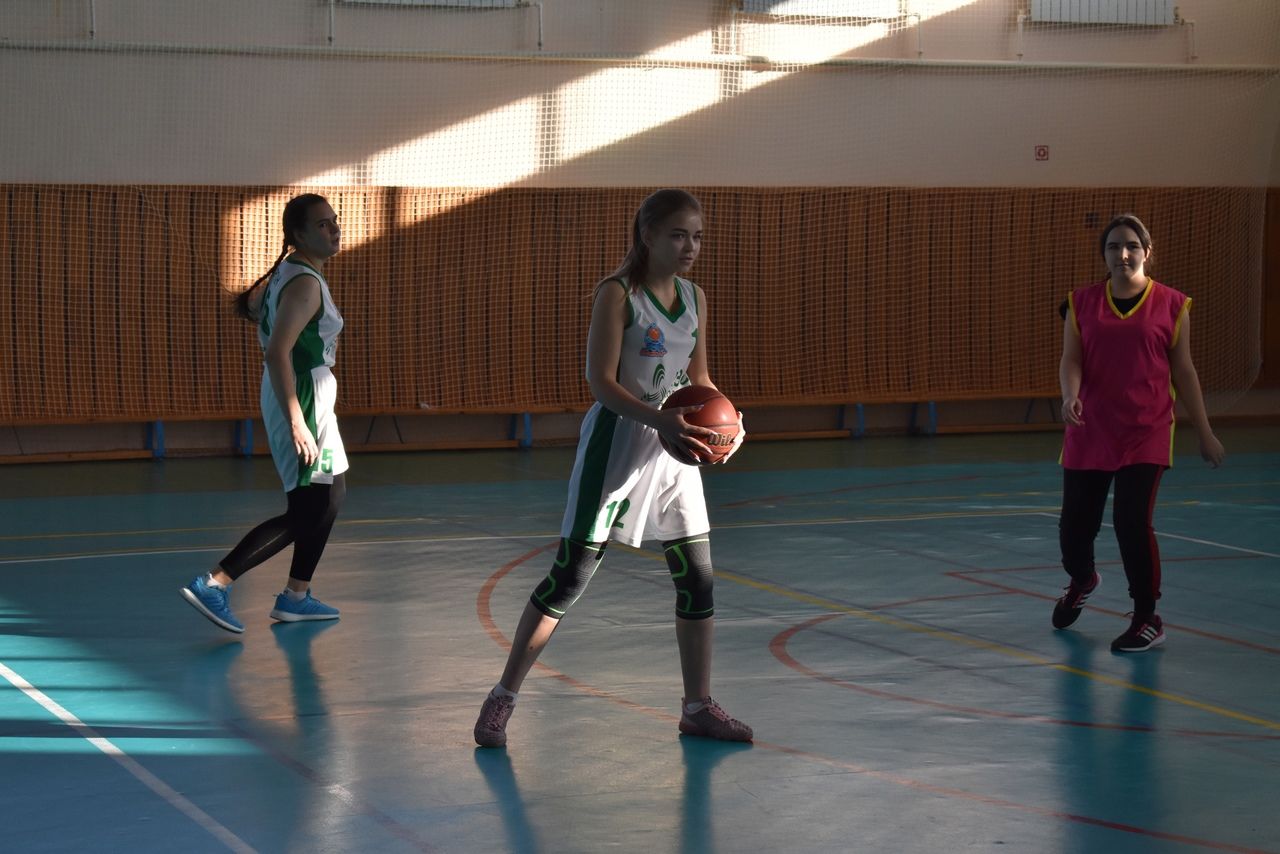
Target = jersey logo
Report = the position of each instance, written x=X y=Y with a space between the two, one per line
x=654 y=342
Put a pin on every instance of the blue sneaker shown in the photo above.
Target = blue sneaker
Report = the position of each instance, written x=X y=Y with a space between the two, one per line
x=212 y=602
x=289 y=611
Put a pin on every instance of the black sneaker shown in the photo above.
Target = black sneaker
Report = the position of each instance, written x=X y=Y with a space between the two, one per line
x=1068 y=607
x=1143 y=633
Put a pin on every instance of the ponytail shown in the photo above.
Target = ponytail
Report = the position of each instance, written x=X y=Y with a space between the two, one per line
x=248 y=303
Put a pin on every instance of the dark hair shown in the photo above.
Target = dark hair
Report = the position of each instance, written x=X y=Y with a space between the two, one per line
x=294 y=219
x=1144 y=236
x=660 y=205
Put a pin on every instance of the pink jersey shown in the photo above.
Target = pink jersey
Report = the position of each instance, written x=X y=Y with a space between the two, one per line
x=1125 y=387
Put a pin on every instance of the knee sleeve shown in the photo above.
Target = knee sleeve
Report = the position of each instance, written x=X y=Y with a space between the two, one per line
x=574 y=565
x=689 y=560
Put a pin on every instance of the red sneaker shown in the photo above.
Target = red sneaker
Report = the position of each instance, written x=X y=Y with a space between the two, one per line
x=711 y=721
x=491 y=726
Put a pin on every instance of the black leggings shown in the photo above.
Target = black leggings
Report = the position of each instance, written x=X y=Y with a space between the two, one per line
x=1084 y=498
x=306 y=524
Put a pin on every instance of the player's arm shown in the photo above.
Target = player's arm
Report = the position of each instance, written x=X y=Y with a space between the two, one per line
x=699 y=374
x=1187 y=383
x=1071 y=371
x=299 y=303
x=604 y=353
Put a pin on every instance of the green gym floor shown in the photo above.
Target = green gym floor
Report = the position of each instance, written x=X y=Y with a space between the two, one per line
x=882 y=622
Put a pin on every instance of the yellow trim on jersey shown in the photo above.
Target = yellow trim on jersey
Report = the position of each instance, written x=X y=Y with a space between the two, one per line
x=1146 y=293
x=1177 y=326
x=1071 y=307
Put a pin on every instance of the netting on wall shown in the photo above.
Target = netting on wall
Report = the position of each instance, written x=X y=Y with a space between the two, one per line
x=897 y=197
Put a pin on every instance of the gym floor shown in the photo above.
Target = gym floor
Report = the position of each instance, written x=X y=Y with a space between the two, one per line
x=882 y=622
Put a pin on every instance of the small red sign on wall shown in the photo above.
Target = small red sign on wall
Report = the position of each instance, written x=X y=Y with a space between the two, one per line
x=1042 y=152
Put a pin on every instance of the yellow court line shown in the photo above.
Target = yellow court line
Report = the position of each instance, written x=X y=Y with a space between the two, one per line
x=835 y=520
x=905 y=517
x=992 y=647
x=195 y=530
x=975 y=496
x=805 y=597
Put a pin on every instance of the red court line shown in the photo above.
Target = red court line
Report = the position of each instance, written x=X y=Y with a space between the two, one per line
x=1038 y=567
x=968 y=576
x=778 y=646
x=485 y=615
x=856 y=488
x=966 y=573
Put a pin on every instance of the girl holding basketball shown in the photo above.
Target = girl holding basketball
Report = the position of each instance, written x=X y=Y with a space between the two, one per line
x=647 y=338
x=1126 y=351
x=298 y=328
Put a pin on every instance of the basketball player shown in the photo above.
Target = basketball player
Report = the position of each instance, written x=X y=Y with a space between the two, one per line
x=647 y=338
x=1126 y=350
x=298 y=328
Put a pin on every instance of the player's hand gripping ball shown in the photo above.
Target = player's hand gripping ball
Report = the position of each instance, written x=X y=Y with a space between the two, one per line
x=717 y=414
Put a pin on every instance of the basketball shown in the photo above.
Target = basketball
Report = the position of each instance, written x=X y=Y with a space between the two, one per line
x=717 y=413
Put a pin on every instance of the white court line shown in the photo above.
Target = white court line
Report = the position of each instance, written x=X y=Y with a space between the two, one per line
x=534 y=536
x=1194 y=540
x=151 y=781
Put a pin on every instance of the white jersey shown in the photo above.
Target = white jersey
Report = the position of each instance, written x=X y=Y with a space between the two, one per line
x=312 y=356
x=624 y=486
x=318 y=343
x=657 y=343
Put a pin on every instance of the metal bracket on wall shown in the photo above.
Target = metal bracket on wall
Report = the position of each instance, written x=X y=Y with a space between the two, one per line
x=931 y=426
x=244 y=437
x=155 y=439
x=524 y=419
x=860 y=420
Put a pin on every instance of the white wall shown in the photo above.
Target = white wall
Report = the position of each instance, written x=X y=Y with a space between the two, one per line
x=239 y=113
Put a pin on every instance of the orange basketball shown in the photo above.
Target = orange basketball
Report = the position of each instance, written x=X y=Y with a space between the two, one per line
x=717 y=413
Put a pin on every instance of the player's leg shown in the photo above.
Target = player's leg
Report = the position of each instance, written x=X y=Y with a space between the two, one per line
x=574 y=565
x=209 y=593
x=1084 y=500
x=1133 y=508
x=689 y=560
x=312 y=512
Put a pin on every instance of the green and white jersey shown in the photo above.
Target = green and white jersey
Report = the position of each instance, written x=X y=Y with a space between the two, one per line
x=657 y=343
x=624 y=486
x=318 y=343
x=317 y=390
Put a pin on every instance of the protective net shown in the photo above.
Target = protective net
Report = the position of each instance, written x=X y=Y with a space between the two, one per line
x=898 y=194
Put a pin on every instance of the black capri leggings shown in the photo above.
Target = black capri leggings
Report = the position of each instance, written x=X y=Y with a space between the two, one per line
x=306 y=523
x=1084 y=498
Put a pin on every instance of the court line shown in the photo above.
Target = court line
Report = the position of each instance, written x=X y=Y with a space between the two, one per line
x=151 y=781
x=1045 y=567
x=1194 y=540
x=968 y=575
x=537 y=535
x=778 y=646
x=67 y=535
x=803 y=597
x=991 y=646
x=485 y=615
x=331 y=787
x=967 y=571
x=858 y=487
